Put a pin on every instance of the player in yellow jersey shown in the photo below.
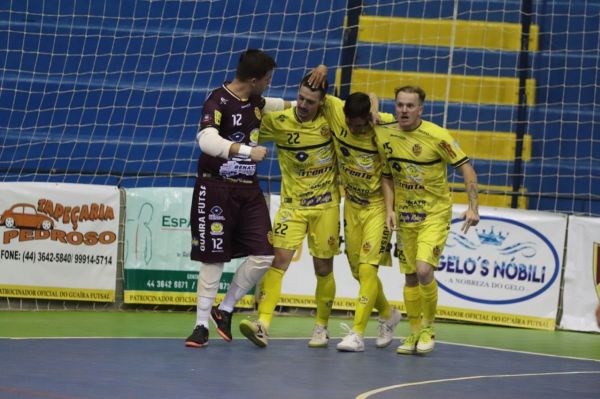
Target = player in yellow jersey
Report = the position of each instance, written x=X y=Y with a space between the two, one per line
x=417 y=153
x=366 y=236
x=309 y=206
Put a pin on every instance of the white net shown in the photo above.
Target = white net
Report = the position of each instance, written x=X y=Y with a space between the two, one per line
x=110 y=92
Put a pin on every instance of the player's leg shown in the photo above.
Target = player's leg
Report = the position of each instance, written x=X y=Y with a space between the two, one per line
x=251 y=237
x=212 y=254
x=323 y=244
x=431 y=241
x=288 y=233
x=407 y=251
x=208 y=286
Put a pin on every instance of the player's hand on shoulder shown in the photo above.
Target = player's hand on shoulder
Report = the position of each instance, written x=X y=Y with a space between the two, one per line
x=258 y=153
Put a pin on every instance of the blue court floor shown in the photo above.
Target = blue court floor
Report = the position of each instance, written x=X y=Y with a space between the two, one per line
x=134 y=368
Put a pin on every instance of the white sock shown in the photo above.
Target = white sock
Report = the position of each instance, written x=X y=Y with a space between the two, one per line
x=203 y=310
x=233 y=295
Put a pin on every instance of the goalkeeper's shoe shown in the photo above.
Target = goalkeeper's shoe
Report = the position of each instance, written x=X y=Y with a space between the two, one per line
x=426 y=340
x=409 y=346
x=386 y=329
x=199 y=337
x=320 y=337
x=222 y=321
x=255 y=331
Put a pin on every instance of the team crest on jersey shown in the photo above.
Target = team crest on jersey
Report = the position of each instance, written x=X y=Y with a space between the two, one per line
x=448 y=149
x=257 y=113
x=417 y=149
x=325 y=132
x=282 y=118
x=367 y=247
x=331 y=241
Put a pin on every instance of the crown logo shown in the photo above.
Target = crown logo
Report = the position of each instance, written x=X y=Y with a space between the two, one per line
x=491 y=238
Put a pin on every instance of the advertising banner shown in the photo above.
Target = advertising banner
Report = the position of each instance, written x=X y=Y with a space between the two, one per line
x=504 y=271
x=158 y=268
x=59 y=241
x=581 y=291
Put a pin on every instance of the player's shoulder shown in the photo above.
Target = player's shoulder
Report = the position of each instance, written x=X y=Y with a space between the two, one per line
x=279 y=117
x=432 y=129
x=385 y=129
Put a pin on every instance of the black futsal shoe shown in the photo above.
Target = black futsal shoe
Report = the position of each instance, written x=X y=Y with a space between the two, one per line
x=222 y=321
x=198 y=339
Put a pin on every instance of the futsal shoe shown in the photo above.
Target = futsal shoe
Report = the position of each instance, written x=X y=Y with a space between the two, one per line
x=255 y=331
x=199 y=337
x=320 y=337
x=409 y=346
x=222 y=321
x=353 y=342
x=386 y=329
x=426 y=340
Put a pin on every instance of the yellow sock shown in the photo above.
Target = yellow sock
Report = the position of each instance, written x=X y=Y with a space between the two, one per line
x=269 y=296
x=367 y=294
x=412 y=302
x=381 y=303
x=429 y=298
x=324 y=296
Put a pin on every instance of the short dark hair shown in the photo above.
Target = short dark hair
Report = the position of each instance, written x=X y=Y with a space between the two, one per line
x=254 y=63
x=322 y=89
x=411 y=89
x=357 y=105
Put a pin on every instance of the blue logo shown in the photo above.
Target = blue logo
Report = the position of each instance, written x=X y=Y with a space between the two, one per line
x=501 y=261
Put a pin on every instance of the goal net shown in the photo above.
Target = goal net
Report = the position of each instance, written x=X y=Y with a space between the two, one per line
x=110 y=92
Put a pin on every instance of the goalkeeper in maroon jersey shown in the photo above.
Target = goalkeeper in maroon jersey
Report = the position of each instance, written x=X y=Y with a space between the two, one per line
x=229 y=215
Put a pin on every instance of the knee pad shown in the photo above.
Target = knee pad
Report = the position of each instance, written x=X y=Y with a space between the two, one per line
x=209 y=278
x=251 y=270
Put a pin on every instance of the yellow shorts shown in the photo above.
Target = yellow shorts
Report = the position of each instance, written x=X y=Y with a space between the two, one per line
x=367 y=240
x=322 y=226
x=424 y=241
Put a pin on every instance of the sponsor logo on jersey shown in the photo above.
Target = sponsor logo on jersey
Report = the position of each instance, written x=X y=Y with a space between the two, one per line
x=216 y=229
x=447 y=148
x=257 y=113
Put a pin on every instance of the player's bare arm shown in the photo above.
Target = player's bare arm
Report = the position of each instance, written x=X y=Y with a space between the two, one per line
x=387 y=186
x=471 y=215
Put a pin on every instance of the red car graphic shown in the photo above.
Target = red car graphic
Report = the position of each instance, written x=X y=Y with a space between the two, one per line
x=24 y=216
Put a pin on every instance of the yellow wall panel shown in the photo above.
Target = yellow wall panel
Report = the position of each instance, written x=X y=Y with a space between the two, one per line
x=438 y=32
x=469 y=89
x=491 y=145
x=497 y=198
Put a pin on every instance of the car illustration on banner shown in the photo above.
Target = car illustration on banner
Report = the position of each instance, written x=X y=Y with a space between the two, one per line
x=25 y=216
